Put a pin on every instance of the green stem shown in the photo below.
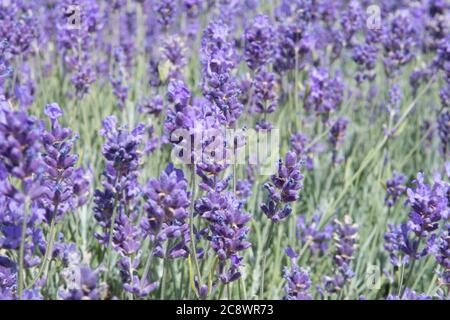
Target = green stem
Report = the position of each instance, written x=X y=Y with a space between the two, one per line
x=164 y=274
x=21 y=278
x=43 y=270
x=191 y=231
x=148 y=263
x=266 y=247
x=48 y=252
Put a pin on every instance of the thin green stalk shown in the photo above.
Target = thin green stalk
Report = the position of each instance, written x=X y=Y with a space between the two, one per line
x=43 y=270
x=266 y=247
x=21 y=275
x=148 y=263
x=164 y=274
x=191 y=230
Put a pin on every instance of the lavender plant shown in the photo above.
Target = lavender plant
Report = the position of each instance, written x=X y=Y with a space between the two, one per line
x=140 y=145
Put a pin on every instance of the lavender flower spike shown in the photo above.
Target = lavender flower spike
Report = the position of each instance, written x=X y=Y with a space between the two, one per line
x=283 y=188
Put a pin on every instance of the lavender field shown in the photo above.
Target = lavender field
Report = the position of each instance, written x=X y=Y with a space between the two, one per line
x=224 y=149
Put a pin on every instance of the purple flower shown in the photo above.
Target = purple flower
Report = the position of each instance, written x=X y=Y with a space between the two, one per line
x=415 y=238
x=115 y=206
x=8 y=278
x=336 y=137
x=82 y=79
x=62 y=180
x=442 y=255
x=402 y=248
x=258 y=42
x=345 y=239
x=5 y=69
x=352 y=20
x=20 y=144
x=219 y=86
x=398 y=43
x=244 y=189
x=298 y=281
x=174 y=52
x=444 y=131
x=166 y=207
x=84 y=287
x=154 y=105
x=293 y=43
x=265 y=96
x=283 y=188
x=394 y=189
x=325 y=94
x=118 y=80
x=299 y=143
x=365 y=56
x=428 y=205
x=409 y=295
x=227 y=231
x=165 y=12
x=308 y=232
x=419 y=77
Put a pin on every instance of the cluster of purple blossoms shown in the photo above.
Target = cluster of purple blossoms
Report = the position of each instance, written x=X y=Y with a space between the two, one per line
x=293 y=43
x=218 y=60
x=283 y=188
x=127 y=36
x=180 y=114
x=174 y=52
x=118 y=80
x=259 y=42
x=227 y=231
x=401 y=247
x=21 y=167
x=18 y=31
x=442 y=255
x=152 y=106
x=436 y=23
x=84 y=288
x=265 y=98
x=165 y=12
x=395 y=188
x=409 y=294
x=81 y=282
x=444 y=131
x=114 y=206
x=442 y=62
x=428 y=205
x=75 y=39
x=365 y=56
x=18 y=25
x=300 y=144
x=395 y=99
x=66 y=186
x=5 y=69
x=398 y=42
x=345 y=240
x=308 y=232
x=418 y=77
x=336 y=137
x=352 y=20
x=325 y=94
x=50 y=185
x=298 y=281
x=166 y=207
x=414 y=239
x=8 y=278
x=193 y=8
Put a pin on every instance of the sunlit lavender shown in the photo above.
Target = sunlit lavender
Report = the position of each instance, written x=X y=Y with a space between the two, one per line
x=212 y=150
